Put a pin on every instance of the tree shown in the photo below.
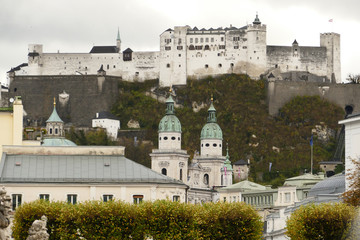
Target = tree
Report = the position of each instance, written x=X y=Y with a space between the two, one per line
x=353 y=78
x=352 y=196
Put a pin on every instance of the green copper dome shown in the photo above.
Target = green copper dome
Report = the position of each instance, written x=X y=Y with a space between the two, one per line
x=170 y=123
x=211 y=129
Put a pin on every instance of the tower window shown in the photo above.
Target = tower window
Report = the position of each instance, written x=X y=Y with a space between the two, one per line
x=165 y=138
x=160 y=138
x=173 y=138
x=207 y=145
x=50 y=130
x=215 y=145
x=179 y=138
x=181 y=174
x=56 y=131
x=164 y=171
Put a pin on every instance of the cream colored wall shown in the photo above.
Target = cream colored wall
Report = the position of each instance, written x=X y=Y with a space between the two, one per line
x=6 y=128
x=84 y=192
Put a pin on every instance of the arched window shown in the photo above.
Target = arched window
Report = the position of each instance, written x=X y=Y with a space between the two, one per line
x=181 y=174
x=50 y=130
x=206 y=47
x=191 y=47
x=206 y=179
x=163 y=171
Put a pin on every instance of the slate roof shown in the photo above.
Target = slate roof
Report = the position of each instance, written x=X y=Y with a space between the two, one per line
x=77 y=169
x=104 y=49
x=331 y=185
x=245 y=186
x=240 y=162
x=105 y=115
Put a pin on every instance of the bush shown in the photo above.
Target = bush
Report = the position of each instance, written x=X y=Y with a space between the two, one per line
x=167 y=220
x=29 y=212
x=230 y=221
x=160 y=219
x=327 y=221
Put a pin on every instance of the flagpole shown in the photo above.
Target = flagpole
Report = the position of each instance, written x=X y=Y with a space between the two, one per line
x=311 y=171
x=311 y=145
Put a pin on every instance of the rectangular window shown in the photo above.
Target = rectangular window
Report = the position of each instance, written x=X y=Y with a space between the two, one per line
x=287 y=197
x=191 y=40
x=16 y=200
x=167 y=48
x=236 y=47
x=44 y=197
x=212 y=39
x=179 y=47
x=179 y=41
x=72 y=198
x=222 y=39
x=196 y=40
x=206 y=39
x=221 y=46
x=236 y=38
x=176 y=198
x=201 y=40
x=138 y=198
x=108 y=197
x=198 y=47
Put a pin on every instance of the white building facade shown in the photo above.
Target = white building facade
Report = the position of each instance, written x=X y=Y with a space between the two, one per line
x=107 y=121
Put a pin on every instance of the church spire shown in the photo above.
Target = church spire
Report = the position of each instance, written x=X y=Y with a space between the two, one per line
x=118 y=35
x=212 y=112
x=54 y=117
x=170 y=104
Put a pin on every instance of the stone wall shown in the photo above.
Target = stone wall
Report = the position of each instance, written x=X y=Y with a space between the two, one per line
x=78 y=97
x=281 y=92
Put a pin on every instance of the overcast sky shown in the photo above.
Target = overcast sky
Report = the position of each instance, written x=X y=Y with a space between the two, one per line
x=77 y=25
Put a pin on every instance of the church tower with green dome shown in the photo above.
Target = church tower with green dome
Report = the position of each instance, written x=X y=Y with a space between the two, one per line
x=169 y=159
x=211 y=158
x=211 y=135
x=55 y=135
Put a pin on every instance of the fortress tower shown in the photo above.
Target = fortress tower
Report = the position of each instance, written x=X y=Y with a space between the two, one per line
x=256 y=48
x=332 y=43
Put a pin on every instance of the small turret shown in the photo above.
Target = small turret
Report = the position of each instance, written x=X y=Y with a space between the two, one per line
x=227 y=171
x=257 y=20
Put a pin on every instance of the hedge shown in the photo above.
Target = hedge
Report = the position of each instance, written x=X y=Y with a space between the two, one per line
x=327 y=221
x=160 y=219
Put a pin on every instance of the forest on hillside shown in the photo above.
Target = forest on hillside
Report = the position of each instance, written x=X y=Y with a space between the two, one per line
x=251 y=133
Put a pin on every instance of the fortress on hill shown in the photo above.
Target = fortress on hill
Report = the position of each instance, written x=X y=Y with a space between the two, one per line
x=197 y=53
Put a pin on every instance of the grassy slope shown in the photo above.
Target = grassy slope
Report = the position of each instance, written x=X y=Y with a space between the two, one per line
x=242 y=114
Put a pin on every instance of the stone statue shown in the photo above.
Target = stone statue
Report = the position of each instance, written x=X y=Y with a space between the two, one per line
x=5 y=206
x=38 y=230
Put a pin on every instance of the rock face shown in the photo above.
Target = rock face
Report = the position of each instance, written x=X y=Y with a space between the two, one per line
x=133 y=124
x=38 y=230
x=79 y=97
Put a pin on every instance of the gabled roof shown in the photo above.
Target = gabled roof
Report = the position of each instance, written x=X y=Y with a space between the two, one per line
x=77 y=169
x=104 y=49
x=105 y=115
x=240 y=162
x=331 y=185
x=128 y=50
